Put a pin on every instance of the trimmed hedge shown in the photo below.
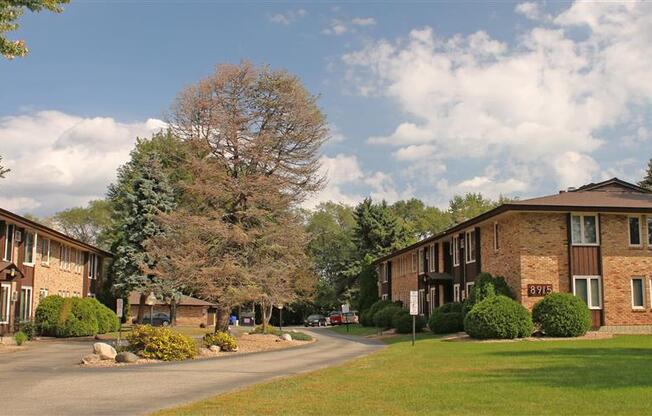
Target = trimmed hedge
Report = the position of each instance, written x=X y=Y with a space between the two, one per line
x=223 y=340
x=446 y=322
x=562 y=315
x=367 y=317
x=161 y=343
x=383 y=318
x=498 y=317
x=486 y=286
x=403 y=323
x=74 y=317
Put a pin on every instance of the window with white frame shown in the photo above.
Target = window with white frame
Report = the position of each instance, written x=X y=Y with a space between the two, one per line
x=456 y=292
x=45 y=251
x=414 y=262
x=638 y=293
x=470 y=246
x=30 y=248
x=383 y=271
x=384 y=296
x=469 y=287
x=422 y=303
x=634 y=231
x=584 y=229
x=9 y=243
x=42 y=294
x=456 y=251
x=433 y=258
x=421 y=254
x=496 y=236
x=589 y=289
x=25 y=312
x=5 y=301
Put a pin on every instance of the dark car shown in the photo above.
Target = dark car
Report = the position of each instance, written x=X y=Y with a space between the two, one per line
x=160 y=319
x=315 y=320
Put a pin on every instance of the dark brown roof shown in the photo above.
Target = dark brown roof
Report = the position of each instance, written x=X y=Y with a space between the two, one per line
x=613 y=195
x=58 y=234
x=134 y=299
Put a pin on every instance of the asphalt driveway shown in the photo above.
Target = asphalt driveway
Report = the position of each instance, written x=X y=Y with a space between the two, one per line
x=46 y=380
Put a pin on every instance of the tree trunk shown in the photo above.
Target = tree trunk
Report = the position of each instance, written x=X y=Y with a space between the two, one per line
x=141 y=308
x=173 y=311
x=266 y=315
x=222 y=318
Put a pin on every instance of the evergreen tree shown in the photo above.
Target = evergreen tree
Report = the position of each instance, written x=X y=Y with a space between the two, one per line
x=647 y=180
x=142 y=192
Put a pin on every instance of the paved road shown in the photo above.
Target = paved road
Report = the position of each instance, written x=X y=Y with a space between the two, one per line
x=44 y=380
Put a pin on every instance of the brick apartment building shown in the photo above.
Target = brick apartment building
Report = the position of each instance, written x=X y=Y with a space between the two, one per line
x=37 y=261
x=594 y=241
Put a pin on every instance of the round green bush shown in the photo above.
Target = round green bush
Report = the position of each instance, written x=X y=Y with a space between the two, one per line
x=383 y=318
x=403 y=323
x=562 y=315
x=451 y=307
x=446 y=322
x=76 y=319
x=498 y=317
x=107 y=320
x=20 y=338
x=485 y=286
x=367 y=318
x=47 y=314
x=397 y=316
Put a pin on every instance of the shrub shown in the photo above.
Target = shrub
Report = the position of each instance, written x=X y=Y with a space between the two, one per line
x=76 y=319
x=20 y=337
x=161 y=343
x=300 y=336
x=486 y=286
x=29 y=328
x=47 y=314
x=451 y=307
x=107 y=320
x=562 y=315
x=223 y=340
x=270 y=330
x=397 y=316
x=403 y=323
x=383 y=318
x=367 y=318
x=498 y=317
x=446 y=322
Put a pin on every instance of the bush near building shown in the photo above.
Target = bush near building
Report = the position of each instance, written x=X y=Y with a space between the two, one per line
x=498 y=317
x=485 y=286
x=223 y=340
x=403 y=323
x=562 y=315
x=367 y=317
x=383 y=318
x=447 y=319
x=161 y=343
x=74 y=317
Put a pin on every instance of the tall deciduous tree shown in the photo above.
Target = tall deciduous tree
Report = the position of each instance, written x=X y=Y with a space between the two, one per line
x=647 y=180
x=89 y=224
x=10 y=12
x=142 y=192
x=462 y=208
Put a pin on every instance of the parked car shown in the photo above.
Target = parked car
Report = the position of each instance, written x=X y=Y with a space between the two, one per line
x=336 y=318
x=351 y=317
x=315 y=320
x=160 y=319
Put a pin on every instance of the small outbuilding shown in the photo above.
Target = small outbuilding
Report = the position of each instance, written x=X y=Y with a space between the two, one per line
x=190 y=311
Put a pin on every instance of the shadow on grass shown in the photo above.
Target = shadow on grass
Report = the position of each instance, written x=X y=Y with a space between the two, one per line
x=573 y=367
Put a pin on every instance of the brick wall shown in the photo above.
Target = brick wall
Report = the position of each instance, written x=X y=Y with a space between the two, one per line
x=186 y=315
x=504 y=262
x=402 y=285
x=619 y=264
x=53 y=278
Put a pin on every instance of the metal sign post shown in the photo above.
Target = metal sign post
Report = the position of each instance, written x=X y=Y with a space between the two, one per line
x=280 y=316
x=345 y=317
x=414 y=311
x=119 y=311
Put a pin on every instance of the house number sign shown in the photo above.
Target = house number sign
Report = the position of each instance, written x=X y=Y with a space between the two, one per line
x=539 y=289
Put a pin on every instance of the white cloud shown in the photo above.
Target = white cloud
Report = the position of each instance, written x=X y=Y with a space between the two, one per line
x=338 y=171
x=337 y=27
x=59 y=160
x=541 y=102
x=363 y=21
x=288 y=17
x=529 y=9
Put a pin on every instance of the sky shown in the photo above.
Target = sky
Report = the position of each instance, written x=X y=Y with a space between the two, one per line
x=424 y=99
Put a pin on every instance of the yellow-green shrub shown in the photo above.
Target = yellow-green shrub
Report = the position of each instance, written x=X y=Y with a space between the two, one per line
x=161 y=343
x=223 y=340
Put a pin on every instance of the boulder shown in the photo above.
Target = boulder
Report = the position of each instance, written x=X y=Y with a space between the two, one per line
x=215 y=348
x=105 y=351
x=90 y=359
x=286 y=337
x=126 y=357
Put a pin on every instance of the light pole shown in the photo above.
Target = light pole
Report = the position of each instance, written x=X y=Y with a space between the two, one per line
x=151 y=301
x=280 y=317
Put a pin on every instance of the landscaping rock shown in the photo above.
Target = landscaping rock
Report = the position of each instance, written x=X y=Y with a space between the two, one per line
x=126 y=357
x=105 y=351
x=286 y=337
x=215 y=348
x=91 y=359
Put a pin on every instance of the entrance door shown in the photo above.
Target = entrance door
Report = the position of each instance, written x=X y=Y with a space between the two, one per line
x=441 y=295
x=433 y=299
x=5 y=302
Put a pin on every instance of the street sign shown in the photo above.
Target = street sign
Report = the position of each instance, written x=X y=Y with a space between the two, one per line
x=414 y=302
x=118 y=307
x=345 y=308
x=151 y=299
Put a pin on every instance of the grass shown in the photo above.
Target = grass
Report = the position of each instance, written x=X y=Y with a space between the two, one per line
x=597 y=377
x=355 y=329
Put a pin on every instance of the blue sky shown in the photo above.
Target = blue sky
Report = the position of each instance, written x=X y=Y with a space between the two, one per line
x=424 y=99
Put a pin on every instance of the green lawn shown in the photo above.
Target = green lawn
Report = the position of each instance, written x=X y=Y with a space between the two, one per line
x=358 y=330
x=612 y=376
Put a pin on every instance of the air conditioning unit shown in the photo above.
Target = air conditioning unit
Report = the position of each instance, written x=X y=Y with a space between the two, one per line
x=18 y=236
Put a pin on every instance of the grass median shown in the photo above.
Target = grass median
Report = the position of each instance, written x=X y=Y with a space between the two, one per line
x=597 y=377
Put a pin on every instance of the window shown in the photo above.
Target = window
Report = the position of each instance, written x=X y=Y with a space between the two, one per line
x=384 y=296
x=634 y=228
x=421 y=254
x=638 y=290
x=588 y=288
x=29 y=248
x=414 y=262
x=383 y=271
x=422 y=299
x=496 y=240
x=433 y=258
x=456 y=292
x=9 y=243
x=456 y=251
x=42 y=294
x=469 y=286
x=5 y=300
x=470 y=246
x=584 y=230
x=45 y=251
x=25 y=303
x=649 y=231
